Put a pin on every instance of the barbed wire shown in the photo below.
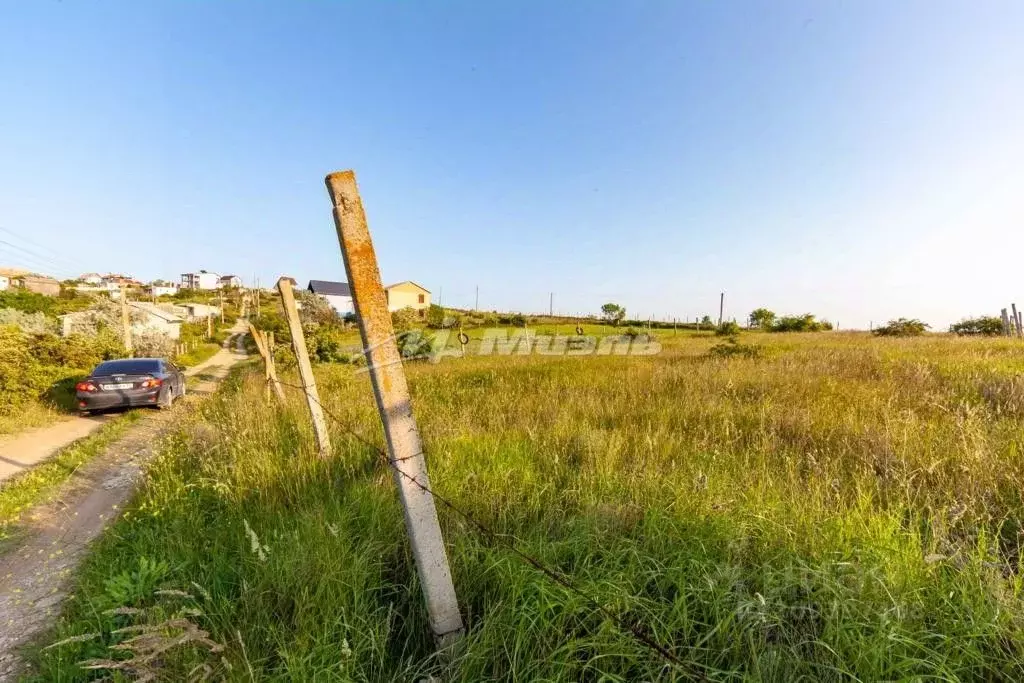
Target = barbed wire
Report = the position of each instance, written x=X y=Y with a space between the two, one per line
x=634 y=629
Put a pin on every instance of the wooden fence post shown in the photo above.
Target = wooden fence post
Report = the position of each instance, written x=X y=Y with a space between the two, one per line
x=394 y=403
x=1016 y=319
x=1006 y=323
x=316 y=411
x=126 y=322
x=267 y=353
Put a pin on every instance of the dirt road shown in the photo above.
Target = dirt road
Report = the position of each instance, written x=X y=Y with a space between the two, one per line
x=34 y=575
x=21 y=452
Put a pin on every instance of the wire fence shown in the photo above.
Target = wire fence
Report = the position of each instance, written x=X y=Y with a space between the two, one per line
x=635 y=630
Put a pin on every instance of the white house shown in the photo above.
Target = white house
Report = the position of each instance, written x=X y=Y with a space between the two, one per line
x=191 y=312
x=91 y=278
x=230 y=281
x=200 y=280
x=5 y=282
x=337 y=294
x=161 y=288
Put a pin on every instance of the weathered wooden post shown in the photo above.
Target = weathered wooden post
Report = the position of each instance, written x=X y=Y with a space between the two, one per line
x=1016 y=319
x=394 y=403
x=316 y=411
x=126 y=322
x=269 y=370
x=1006 y=323
x=721 y=308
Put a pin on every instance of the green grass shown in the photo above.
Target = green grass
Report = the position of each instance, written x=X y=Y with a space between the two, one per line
x=202 y=353
x=36 y=485
x=838 y=508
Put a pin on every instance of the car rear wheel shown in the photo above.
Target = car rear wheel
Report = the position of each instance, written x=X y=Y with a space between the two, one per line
x=165 y=400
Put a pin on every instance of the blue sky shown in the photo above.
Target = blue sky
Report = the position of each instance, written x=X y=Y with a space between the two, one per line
x=860 y=160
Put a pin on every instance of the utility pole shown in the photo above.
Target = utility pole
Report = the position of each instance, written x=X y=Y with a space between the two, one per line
x=721 y=308
x=316 y=411
x=476 y=304
x=405 y=450
x=222 y=307
x=126 y=322
x=551 y=304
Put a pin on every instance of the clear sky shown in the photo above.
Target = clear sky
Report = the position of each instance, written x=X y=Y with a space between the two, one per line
x=860 y=160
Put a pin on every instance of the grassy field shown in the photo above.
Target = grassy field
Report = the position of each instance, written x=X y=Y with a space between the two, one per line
x=839 y=508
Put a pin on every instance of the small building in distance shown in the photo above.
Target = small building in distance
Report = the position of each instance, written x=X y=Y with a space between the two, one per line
x=337 y=294
x=91 y=278
x=408 y=294
x=200 y=280
x=40 y=284
x=162 y=288
x=230 y=281
x=5 y=282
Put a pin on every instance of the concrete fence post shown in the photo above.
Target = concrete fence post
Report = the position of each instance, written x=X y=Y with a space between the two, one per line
x=394 y=403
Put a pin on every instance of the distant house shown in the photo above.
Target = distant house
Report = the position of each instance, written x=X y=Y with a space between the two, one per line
x=337 y=294
x=200 y=280
x=5 y=282
x=230 y=281
x=91 y=278
x=408 y=294
x=191 y=312
x=162 y=288
x=40 y=284
x=152 y=319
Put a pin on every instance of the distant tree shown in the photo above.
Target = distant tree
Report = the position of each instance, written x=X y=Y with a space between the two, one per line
x=762 y=318
x=613 y=313
x=315 y=310
x=800 y=323
x=404 y=319
x=706 y=320
x=902 y=327
x=986 y=326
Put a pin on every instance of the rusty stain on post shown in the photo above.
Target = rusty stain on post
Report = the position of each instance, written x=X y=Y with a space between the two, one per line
x=395 y=405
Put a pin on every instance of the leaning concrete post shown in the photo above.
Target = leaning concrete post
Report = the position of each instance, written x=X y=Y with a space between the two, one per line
x=266 y=349
x=395 y=406
x=316 y=411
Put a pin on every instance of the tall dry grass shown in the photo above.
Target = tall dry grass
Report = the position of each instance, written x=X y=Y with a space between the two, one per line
x=840 y=508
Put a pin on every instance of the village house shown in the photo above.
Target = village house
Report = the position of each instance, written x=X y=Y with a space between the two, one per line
x=191 y=312
x=408 y=294
x=162 y=288
x=91 y=278
x=337 y=294
x=5 y=282
x=230 y=281
x=200 y=280
x=40 y=284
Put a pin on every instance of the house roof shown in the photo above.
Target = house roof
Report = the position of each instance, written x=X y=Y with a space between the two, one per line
x=408 y=282
x=329 y=288
x=228 y=277
x=153 y=309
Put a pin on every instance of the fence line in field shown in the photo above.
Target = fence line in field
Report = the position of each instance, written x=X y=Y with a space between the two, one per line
x=635 y=630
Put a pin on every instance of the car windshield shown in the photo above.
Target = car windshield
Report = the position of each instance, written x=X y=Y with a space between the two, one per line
x=133 y=366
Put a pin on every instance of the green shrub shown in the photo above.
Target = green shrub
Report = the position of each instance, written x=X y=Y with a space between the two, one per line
x=985 y=326
x=415 y=345
x=435 y=316
x=403 y=319
x=32 y=323
x=800 y=323
x=727 y=329
x=732 y=348
x=902 y=327
x=324 y=344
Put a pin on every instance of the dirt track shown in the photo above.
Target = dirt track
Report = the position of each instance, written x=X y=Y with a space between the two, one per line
x=34 y=575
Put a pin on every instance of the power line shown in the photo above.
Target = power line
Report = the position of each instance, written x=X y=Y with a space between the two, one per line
x=635 y=629
x=46 y=253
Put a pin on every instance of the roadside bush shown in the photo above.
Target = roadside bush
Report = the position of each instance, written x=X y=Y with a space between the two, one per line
x=324 y=344
x=435 y=316
x=727 y=329
x=22 y=376
x=76 y=351
x=902 y=327
x=31 y=323
x=986 y=326
x=152 y=344
x=403 y=319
